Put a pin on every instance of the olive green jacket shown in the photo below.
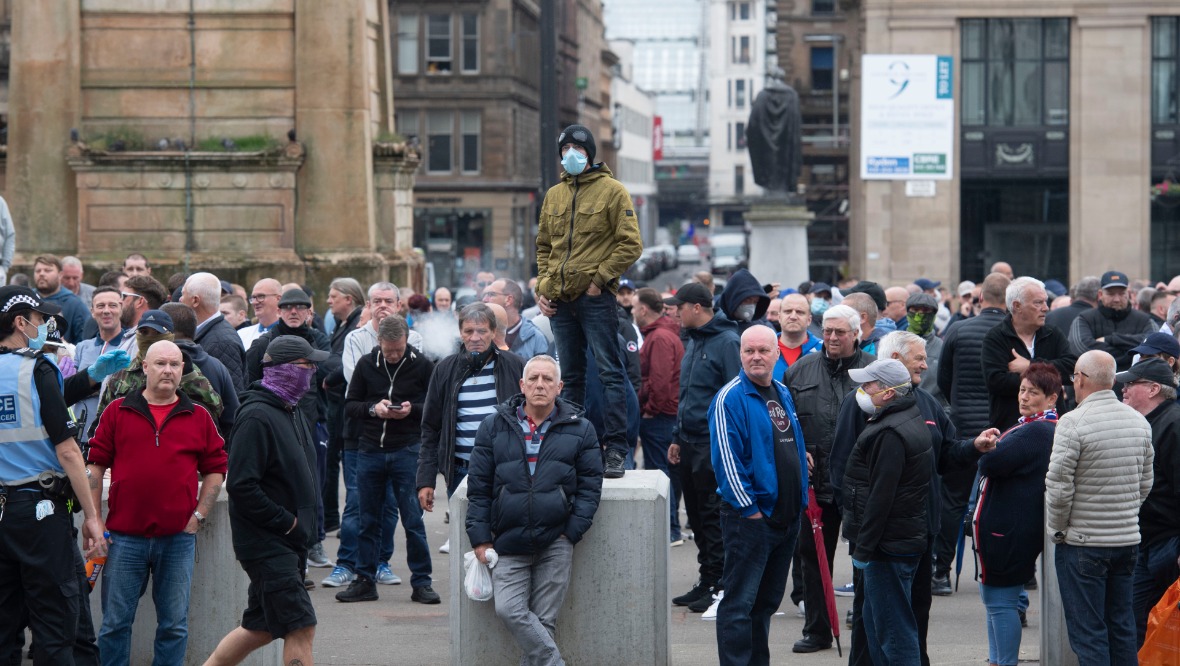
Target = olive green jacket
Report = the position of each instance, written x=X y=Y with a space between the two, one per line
x=194 y=385
x=588 y=232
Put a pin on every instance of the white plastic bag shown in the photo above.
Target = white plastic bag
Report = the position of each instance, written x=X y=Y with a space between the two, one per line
x=478 y=581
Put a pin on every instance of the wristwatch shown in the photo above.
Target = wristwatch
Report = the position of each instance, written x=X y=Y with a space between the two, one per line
x=373 y=410
x=200 y=518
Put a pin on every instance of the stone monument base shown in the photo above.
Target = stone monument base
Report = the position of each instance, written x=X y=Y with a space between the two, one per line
x=778 y=242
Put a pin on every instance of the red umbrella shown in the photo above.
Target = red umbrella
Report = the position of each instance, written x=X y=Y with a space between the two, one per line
x=817 y=532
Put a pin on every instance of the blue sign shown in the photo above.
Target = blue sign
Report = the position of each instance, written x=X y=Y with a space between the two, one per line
x=945 y=78
x=8 y=409
x=888 y=165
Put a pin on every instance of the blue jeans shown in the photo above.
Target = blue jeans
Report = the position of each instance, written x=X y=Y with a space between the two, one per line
x=757 y=563
x=457 y=476
x=1003 y=623
x=593 y=321
x=1096 y=594
x=377 y=473
x=169 y=562
x=350 y=519
x=1155 y=571
x=655 y=434
x=891 y=629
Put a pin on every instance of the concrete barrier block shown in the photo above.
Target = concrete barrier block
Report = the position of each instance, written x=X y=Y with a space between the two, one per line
x=216 y=602
x=617 y=609
x=1055 y=647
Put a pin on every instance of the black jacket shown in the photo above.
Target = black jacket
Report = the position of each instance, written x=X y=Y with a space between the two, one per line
x=310 y=405
x=818 y=385
x=271 y=479
x=712 y=357
x=221 y=341
x=440 y=413
x=1121 y=331
x=1062 y=318
x=219 y=378
x=1159 y=518
x=375 y=380
x=887 y=483
x=1010 y=523
x=334 y=366
x=522 y=513
x=1003 y=386
x=960 y=373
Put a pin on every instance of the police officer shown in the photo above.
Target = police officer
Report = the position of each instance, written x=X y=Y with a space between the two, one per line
x=42 y=476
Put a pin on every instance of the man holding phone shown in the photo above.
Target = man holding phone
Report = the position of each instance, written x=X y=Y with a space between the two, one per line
x=386 y=395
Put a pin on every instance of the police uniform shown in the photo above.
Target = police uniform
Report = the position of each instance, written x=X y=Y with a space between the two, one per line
x=40 y=564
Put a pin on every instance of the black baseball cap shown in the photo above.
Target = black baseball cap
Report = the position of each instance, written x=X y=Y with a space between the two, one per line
x=1114 y=279
x=1152 y=369
x=693 y=292
x=872 y=289
x=14 y=298
x=157 y=320
x=289 y=348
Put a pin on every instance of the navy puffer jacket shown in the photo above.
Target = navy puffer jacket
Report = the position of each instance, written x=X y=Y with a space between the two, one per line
x=522 y=514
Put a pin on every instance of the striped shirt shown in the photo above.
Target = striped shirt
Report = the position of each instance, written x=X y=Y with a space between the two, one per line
x=477 y=401
x=534 y=434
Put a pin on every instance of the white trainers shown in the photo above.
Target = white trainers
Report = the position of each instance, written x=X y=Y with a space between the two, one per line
x=711 y=613
x=801 y=612
x=446 y=547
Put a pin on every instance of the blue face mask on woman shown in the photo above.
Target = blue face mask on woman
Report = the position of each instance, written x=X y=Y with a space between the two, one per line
x=574 y=162
x=42 y=335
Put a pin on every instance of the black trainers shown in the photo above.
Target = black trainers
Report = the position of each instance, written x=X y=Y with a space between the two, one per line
x=361 y=589
x=809 y=644
x=701 y=605
x=698 y=590
x=425 y=595
x=940 y=586
x=1023 y=619
x=614 y=466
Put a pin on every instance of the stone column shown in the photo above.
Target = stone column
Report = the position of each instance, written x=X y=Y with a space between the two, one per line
x=1055 y=647
x=333 y=120
x=778 y=242
x=44 y=98
x=394 y=167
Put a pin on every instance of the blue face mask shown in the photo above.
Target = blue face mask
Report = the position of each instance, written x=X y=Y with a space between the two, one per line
x=819 y=306
x=42 y=335
x=574 y=162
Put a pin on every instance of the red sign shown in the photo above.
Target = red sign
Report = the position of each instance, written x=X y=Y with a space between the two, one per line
x=657 y=138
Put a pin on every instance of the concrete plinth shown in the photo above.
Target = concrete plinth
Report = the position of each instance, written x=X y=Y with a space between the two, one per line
x=216 y=602
x=778 y=242
x=617 y=609
x=1055 y=647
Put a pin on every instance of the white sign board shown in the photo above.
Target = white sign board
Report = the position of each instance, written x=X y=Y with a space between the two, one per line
x=920 y=188
x=907 y=117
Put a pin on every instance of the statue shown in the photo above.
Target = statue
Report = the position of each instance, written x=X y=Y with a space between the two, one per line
x=774 y=136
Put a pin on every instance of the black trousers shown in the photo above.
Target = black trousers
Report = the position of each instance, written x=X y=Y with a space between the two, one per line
x=703 y=506
x=920 y=599
x=331 y=489
x=815 y=605
x=41 y=573
x=955 y=490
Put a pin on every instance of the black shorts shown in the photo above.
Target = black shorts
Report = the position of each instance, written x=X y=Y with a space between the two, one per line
x=277 y=602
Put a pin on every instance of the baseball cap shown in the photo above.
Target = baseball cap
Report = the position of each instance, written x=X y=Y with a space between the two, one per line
x=889 y=371
x=927 y=283
x=693 y=292
x=14 y=299
x=821 y=286
x=965 y=287
x=288 y=348
x=873 y=290
x=921 y=300
x=294 y=296
x=1114 y=279
x=1152 y=369
x=226 y=287
x=1159 y=343
x=1055 y=288
x=157 y=320
x=626 y=284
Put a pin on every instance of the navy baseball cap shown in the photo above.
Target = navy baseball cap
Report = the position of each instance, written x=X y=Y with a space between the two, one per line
x=1114 y=279
x=157 y=320
x=626 y=284
x=926 y=283
x=1159 y=343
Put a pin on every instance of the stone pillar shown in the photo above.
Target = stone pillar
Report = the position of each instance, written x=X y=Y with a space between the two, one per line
x=609 y=616
x=333 y=120
x=394 y=166
x=44 y=98
x=778 y=242
x=1055 y=647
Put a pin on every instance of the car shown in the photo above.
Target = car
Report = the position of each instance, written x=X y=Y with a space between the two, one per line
x=642 y=270
x=669 y=254
x=656 y=258
x=688 y=254
x=729 y=253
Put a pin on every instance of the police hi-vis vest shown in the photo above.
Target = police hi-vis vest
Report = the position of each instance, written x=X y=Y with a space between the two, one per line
x=25 y=449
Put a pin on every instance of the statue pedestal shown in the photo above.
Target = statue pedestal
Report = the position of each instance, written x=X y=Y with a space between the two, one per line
x=778 y=242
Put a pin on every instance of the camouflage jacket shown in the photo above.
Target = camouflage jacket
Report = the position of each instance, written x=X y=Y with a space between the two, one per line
x=194 y=384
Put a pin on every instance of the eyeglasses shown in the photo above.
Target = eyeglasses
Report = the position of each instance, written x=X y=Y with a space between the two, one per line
x=1138 y=381
x=1074 y=376
x=298 y=307
x=482 y=283
x=841 y=332
x=127 y=294
x=262 y=297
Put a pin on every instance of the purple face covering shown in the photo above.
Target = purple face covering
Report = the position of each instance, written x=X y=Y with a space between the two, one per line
x=288 y=381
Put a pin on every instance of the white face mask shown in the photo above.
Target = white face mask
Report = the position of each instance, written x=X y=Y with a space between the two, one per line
x=745 y=312
x=865 y=402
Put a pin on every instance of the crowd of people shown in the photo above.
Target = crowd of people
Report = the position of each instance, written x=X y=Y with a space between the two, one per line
x=899 y=417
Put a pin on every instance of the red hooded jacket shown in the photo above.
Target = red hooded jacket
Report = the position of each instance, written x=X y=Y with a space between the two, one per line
x=659 y=361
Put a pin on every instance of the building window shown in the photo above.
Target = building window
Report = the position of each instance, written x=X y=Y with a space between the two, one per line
x=470 y=24
x=440 y=126
x=741 y=50
x=739 y=179
x=438 y=44
x=739 y=94
x=739 y=130
x=469 y=133
x=1165 y=64
x=407 y=43
x=823 y=6
x=822 y=66
x=406 y=121
x=1015 y=72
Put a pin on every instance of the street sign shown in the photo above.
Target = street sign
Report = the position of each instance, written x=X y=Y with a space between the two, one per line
x=581 y=83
